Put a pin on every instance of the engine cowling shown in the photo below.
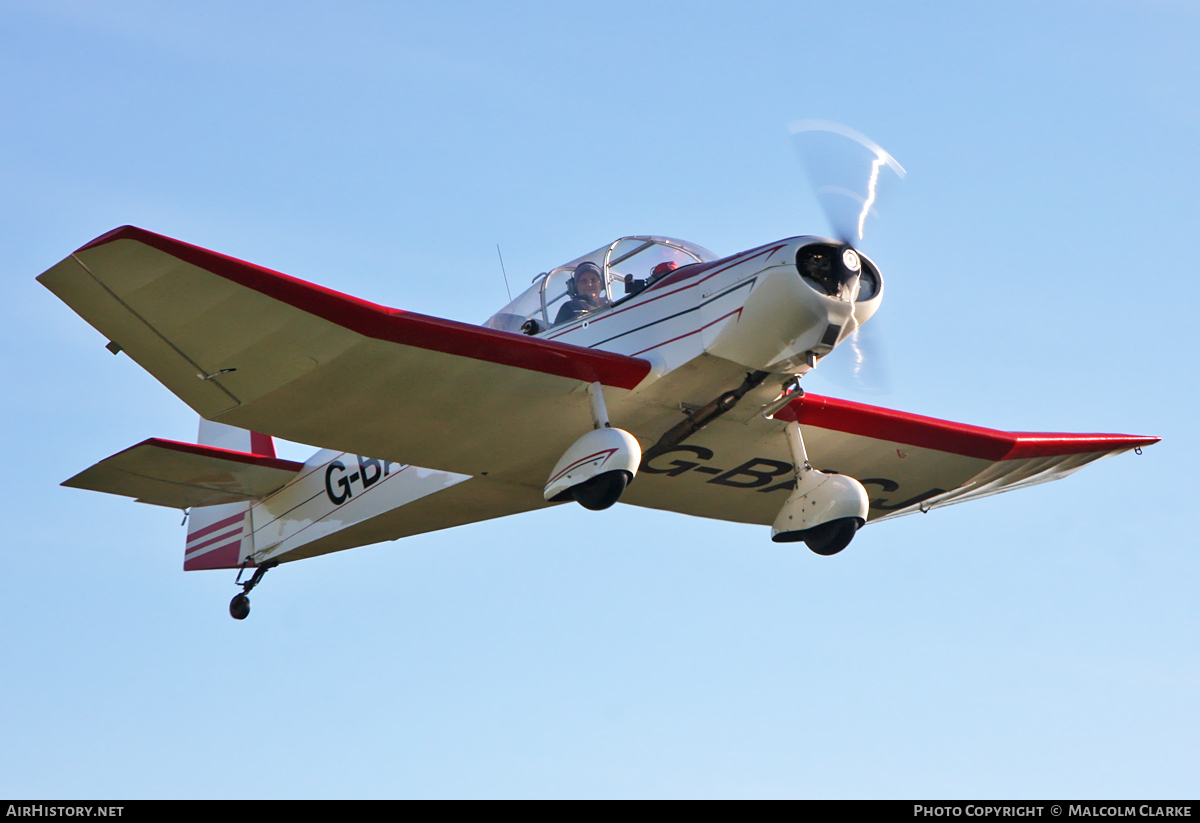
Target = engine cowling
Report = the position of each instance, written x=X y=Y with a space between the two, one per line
x=811 y=294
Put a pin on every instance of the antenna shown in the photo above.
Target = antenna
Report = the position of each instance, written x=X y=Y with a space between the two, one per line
x=506 y=288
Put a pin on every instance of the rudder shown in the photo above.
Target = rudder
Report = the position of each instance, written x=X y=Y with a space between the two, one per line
x=221 y=537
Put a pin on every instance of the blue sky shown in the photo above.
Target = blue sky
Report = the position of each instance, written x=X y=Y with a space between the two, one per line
x=1039 y=277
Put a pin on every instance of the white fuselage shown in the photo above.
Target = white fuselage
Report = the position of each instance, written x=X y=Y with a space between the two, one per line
x=703 y=327
x=752 y=308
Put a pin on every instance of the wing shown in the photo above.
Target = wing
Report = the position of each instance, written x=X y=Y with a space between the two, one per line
x=182 y=475
x=739 y=469
x=263 y=351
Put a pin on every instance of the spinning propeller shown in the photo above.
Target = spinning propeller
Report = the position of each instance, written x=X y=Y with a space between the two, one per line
x=847 y=169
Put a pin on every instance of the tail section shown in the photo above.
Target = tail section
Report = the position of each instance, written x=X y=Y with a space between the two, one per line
x=333 y=501
x=248 y=506
x=221 y=537
x=235 y=439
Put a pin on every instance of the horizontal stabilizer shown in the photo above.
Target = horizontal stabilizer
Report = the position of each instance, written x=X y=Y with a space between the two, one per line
x=183 y=475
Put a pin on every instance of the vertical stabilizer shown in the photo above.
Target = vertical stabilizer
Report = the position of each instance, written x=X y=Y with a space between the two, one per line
x=220 y=537
x=235 y=439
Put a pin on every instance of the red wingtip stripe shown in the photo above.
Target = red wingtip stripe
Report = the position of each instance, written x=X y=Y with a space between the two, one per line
x=944 y=435
x=1045 y=444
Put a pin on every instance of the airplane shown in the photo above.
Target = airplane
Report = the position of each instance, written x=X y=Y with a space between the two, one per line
x=649 y=371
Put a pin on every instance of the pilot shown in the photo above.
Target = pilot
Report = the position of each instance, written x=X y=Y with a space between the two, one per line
x=663 y=269
x=587 y=293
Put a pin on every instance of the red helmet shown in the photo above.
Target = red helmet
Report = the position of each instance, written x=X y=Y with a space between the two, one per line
x=664 y=268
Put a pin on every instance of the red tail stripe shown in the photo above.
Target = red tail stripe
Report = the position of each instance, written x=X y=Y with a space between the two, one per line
x=235 y=533
x=263 y=444
x=220 y=524
x=221 y=557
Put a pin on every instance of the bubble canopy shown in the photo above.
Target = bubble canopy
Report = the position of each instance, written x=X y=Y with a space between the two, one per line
x=633 y=262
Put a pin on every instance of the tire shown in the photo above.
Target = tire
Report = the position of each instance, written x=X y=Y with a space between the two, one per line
x=830 y=538
x=602 y=491
x=239 y=607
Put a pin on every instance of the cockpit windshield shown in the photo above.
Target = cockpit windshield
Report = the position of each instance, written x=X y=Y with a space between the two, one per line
x=591 y=284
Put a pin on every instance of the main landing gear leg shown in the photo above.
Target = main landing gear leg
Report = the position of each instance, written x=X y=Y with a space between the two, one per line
x=605 y=489
x=239 y=606
x=598 y=466
x=825 y=510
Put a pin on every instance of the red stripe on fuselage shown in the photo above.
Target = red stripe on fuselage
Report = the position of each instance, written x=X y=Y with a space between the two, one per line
x=737 y=311
x=700 y=268
x=689 y=272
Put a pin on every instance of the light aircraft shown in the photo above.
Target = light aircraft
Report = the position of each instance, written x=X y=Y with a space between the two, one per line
x=649 y=371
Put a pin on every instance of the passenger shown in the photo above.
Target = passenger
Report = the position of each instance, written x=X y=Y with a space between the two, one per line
x=587 y=293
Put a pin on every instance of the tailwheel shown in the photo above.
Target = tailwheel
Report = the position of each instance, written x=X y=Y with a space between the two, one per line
x=239 y=607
